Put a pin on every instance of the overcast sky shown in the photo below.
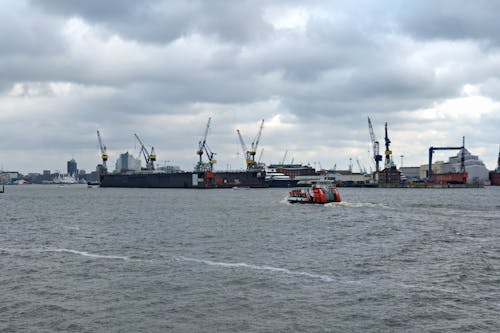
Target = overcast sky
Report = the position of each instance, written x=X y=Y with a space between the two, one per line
x=314 y=70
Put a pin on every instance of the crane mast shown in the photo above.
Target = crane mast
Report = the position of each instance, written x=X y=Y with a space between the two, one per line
x=388 y=152
x=498 y=162
x=375 y=146
x=246 y=152
x=203 y=147
x=284 y=157
x=255 y=143
x=149 y=156
x=104 y=155
x=250 y=153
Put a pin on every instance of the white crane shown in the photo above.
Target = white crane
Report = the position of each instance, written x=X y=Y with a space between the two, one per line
x=250 y=153
x=376 y=146
x=149 y=156
x=203 y=147
x=104 y=155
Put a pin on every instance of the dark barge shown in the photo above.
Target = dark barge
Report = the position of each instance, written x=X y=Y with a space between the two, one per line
x=206 y=179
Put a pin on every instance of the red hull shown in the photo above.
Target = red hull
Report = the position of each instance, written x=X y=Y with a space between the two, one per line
x=495 y=178
x=449 y=178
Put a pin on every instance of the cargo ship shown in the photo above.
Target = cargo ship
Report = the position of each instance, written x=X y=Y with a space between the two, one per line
x=200 y=180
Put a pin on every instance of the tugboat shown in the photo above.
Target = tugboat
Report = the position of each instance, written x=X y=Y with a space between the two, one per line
x=319 y=193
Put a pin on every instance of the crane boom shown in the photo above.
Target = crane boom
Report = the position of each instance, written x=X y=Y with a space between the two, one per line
x=255 y=144
x=104 y=155
x=375 y=146
x=250 y=153
x=284 y=157
x=388 y=152
x=204 y=138
x=246 y=152
x=149 y=156
x=203 y=147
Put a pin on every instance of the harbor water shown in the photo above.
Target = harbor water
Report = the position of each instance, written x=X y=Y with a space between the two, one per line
x=77 y=259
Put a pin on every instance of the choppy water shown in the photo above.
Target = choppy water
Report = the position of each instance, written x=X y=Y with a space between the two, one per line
x=140 y=260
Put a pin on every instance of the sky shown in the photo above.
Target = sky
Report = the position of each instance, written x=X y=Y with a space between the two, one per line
x=313 y=70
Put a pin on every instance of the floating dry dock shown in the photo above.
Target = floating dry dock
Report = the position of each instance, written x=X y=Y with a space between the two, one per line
x=206 y=179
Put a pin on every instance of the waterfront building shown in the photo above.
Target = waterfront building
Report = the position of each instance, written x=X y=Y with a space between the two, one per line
x=127 y=162
x=72 y=168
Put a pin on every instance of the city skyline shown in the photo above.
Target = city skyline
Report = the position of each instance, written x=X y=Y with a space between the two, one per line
x=314 y=71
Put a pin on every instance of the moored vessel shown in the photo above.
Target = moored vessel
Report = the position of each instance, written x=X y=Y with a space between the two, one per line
x=319 y=193
x=206 y=179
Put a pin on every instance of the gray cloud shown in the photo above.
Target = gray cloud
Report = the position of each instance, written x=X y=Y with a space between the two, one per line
x=161 y=68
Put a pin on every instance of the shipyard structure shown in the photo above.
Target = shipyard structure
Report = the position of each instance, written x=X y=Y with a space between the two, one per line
x=129 y=172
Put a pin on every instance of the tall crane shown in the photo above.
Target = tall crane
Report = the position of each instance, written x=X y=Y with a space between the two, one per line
x=203 y=147
x=260 y=155
x=246 y=152
x=284 y=158
x=149 y=156
x=388 y=160
x=498 y=162
x=250 y=153
x=375 y=145
x=104 y=155
x=462 y=156
x=361 y=169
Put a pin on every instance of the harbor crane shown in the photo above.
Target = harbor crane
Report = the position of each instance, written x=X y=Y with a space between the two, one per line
x=104 y=155
x=284 y=157
x=361 y=169
x=250 y=153
x=498 y=161
x=375 y=145
x=462 y=157
x=260 y=156
x=388 y=153
x=203 y=148
x=149 y=156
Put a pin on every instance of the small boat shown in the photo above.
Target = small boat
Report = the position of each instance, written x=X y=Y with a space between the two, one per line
x=91 y=184
x=320 y=192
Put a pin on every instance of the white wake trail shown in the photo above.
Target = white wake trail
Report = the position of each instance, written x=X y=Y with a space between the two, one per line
x=87 y=254
x=325 y=278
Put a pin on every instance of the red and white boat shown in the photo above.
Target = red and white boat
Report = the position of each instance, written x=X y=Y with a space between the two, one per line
x=319 y=193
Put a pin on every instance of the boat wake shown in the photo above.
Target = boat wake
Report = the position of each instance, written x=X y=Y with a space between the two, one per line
x=285 y=201
x=356 y=205
x=325 y=278
x=87 y=254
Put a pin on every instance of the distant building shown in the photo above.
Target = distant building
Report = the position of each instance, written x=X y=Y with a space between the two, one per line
x=9 y=177
x=72 y=167
x=411 y=173
x=475 y=168
x=46 y=176
x=349 y=177
x=127 y=162
x=389 y=176
x=170 y=168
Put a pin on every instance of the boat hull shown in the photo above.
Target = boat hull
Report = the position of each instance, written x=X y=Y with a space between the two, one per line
x=495 y=178
x=315 y=195
x=185 y=179
x=282 y=183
